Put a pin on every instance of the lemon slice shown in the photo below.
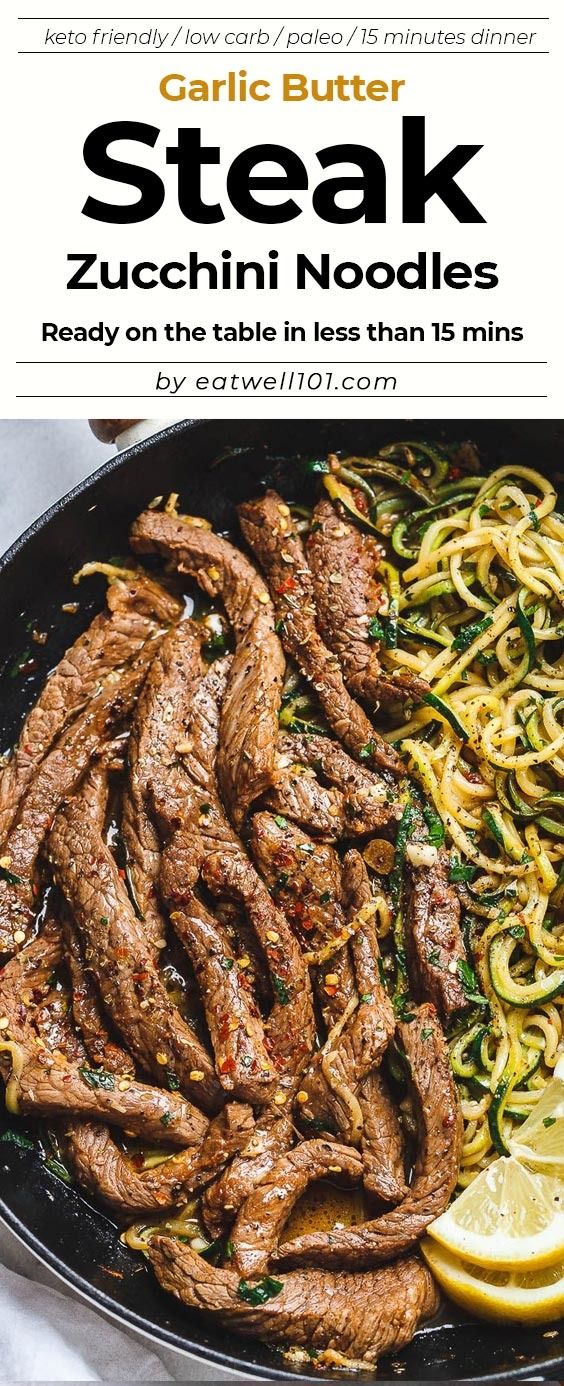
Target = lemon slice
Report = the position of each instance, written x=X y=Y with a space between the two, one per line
x=526 y=1296
x=540 y=1140
x=507 y=1218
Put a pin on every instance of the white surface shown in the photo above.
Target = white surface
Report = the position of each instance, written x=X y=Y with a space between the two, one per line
x=48 y=1332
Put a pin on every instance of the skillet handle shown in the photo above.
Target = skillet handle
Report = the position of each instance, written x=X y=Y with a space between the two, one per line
x=107 y=430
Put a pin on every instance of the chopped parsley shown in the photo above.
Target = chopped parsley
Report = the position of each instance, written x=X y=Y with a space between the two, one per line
x=226 y=964
x=104 y=919
x=458 y=871
x=12 y=1137
x=280 y=820
x=376 y=629
x=367 y=751
x=60 y=1170
x=401 y=1005
x=172 y=1082
x=325 y=897
x=517 y=931
x=280 y=989
x=219 y=1250
x=366 y=996
x=470 y=984
x=549 y=1121
x=166 y=1118
x=97 y=1078
x=265 y=1289
x=426 y=1032
x=469 y=633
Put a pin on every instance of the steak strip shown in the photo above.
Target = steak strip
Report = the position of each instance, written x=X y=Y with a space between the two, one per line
x=333 y=1079
x=272 y=1135
x=266 y=1210
x=136 y=609
x=228 y=873
x=56 y=777
x=359 y=1316
x=87 y=1011
x=433 y=936
x=48 y=1084
x=343 y=563
x=357 y=801
x=236 y=1029
x=436 y=1168
x=381 y=1146
x=252 y=700
x=280 y=554
x=107 y=1172
x=116 y=948
x=156 y=731
x=305 y=879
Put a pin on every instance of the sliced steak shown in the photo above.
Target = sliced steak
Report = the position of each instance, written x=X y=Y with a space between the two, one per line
x=158 y=728
x=280 y=553
x=249 y=717
x=106 y=1171
x=52 y=1084
x=218 y=567
x=252 y=700
x=213 y=847
x=264 y=1213
x=353 y=801
x=382 y=1145
x=335 y=1074
x=305 y=879
x=87 y=1008
x=359 y=1316
x=433 y=936
x=272 y=1135
x=436 y=1169
x=136 y=609
x=344 y=563
x=236 y=1028
x=116 y=948
x=56 y=777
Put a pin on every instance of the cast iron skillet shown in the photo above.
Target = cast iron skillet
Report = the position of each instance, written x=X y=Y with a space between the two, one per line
x=65 y=1231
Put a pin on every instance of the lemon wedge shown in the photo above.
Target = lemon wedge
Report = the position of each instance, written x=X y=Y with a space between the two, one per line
x=509 y=1217
x=540 y=1140
x=524 y=1296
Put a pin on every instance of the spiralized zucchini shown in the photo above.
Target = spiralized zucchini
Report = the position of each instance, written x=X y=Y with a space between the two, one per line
x=480 y=616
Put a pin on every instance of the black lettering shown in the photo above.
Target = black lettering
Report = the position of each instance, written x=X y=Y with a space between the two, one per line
x=190 y=155
x=86 y=263
x=148 y=183
x=241 y=183
x=419 y=186
x=371 y=184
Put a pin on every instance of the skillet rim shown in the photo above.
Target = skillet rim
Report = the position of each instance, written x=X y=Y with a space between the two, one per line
x=154 y=1331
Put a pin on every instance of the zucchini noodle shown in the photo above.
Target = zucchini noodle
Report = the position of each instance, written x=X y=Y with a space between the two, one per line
x=482 y=579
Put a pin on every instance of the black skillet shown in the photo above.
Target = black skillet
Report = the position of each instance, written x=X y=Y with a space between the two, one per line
x=67 y=1233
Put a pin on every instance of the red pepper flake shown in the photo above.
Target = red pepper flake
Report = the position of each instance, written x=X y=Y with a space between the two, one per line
x=227 y=1065
x=121 y=873
x=224 y=1027
x=118 y=1275
x=287 y=585
x=331 y=990
x=360 y=500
